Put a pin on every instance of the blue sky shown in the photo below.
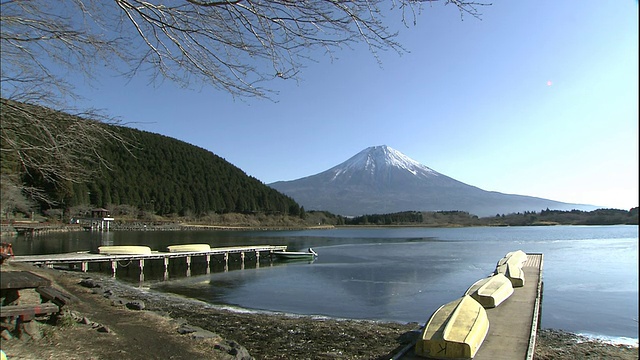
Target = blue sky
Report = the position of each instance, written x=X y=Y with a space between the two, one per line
x=537 y=98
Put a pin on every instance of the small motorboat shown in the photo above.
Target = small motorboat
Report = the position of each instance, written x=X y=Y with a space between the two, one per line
x=189 y=248
x=124 y=250
x=296 y=255
x=454 y=331
x=491 y=291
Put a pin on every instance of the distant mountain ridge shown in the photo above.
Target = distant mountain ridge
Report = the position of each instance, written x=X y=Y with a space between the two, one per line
x=380 y=180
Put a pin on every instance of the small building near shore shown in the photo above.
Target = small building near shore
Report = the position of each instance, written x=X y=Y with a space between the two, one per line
x=99 y=220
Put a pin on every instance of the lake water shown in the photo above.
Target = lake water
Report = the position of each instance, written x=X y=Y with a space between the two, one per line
x=590 y=273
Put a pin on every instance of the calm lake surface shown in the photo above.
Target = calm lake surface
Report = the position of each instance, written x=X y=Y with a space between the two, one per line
x=590 y=273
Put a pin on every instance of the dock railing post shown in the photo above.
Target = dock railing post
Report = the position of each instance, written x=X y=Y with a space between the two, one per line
x=114 y=266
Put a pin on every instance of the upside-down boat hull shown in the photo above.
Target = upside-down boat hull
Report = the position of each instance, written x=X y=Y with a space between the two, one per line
x=454 y=331
x=189 y=248
x=517 y=257
x=124 y=250
x=491 y=291
x=511 y=267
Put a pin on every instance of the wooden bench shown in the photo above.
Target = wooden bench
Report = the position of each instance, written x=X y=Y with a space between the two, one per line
x=11 y=282
x=16 y=280
x=27 y=312
x=56 y=296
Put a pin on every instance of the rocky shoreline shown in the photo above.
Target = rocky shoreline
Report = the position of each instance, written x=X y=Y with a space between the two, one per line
x=113 y=320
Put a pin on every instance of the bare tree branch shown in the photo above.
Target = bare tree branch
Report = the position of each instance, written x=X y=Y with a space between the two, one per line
x=236 y=46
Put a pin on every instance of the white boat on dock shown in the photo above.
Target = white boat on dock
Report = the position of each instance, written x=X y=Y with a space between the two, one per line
x=511 y=266
x=491 y=291
x=517 y=257
x=454 y=331
x=189 y=248
x=124 y=250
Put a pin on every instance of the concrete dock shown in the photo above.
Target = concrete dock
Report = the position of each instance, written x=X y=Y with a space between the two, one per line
x=513 y=324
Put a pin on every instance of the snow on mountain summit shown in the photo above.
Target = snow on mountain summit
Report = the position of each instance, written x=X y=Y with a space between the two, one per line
x=382 y=180
x=381 y=157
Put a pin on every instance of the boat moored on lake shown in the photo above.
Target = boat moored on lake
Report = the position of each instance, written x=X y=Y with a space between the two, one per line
x=296 y=255
x=454 y=331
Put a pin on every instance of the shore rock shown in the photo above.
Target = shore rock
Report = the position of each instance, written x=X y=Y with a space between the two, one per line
x=234 y=349
x=135 y=305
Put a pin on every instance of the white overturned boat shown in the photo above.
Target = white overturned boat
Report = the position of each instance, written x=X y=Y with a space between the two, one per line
x=517 y=257
x=491 y=291
x=511 y=267
x=189 y=248
x=124 y=250
x=454 y=331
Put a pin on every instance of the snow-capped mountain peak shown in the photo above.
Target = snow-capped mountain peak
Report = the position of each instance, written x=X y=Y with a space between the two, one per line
x=379 y=158
x=382 y=180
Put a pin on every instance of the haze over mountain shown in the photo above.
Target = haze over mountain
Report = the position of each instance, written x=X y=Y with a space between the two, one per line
x=380 y=180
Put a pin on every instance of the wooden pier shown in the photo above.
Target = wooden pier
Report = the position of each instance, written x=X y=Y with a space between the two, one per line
x=84 y=258
x=513 y=325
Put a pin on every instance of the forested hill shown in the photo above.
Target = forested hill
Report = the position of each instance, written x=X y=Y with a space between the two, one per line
x=165 y=176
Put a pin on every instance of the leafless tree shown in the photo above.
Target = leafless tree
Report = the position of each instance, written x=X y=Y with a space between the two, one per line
x=12 y=197
x=236 y=46
x=51 y=146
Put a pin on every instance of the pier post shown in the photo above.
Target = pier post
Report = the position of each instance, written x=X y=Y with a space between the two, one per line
x=83 y=266
x=242 y=260
x=208 y=264
x=114 y=266
x=188 y=266
x=165 y=276
x=226 y=259
x=257 y=259
x=142 y=266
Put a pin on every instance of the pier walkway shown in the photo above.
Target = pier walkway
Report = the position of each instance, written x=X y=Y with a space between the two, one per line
x=513 y=325
x=84 y=258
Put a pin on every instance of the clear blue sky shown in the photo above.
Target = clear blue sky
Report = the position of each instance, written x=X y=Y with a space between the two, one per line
x=538 y=98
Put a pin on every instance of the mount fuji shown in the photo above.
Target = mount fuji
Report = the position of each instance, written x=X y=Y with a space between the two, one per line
x=382 y=180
